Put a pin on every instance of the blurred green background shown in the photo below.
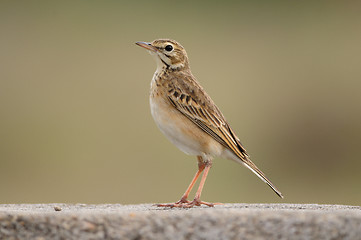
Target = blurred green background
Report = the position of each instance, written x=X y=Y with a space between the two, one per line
x=75 y=124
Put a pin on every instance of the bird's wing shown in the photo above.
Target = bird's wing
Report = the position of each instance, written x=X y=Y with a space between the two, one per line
x=199 y=108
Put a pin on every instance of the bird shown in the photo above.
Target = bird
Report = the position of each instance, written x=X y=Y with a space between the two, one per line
x=189 y=118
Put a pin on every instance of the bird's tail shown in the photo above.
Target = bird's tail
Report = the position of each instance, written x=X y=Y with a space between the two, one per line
x=251 y=166
x=241 y=156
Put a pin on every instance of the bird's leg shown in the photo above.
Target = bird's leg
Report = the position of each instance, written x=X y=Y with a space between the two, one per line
x=183 y=202
x=197 y=200
x=184 y=198
x=201 y=167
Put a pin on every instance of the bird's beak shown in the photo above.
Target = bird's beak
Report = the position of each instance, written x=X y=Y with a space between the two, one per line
x=147 y=46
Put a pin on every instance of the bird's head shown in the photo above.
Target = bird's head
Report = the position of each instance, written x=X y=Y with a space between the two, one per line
x=168 y=53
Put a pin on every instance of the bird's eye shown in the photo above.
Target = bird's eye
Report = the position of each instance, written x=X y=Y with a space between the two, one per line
x=168 y=48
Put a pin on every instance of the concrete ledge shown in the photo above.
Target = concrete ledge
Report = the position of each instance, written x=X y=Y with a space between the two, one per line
x=229 y=221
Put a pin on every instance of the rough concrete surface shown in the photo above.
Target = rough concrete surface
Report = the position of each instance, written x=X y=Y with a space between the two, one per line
x=145 y=221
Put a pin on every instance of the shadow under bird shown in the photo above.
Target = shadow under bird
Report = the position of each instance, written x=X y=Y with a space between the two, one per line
x=188 y=117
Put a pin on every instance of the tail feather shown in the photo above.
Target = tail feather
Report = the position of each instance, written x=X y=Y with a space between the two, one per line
x=243 y=158
x=251 y=166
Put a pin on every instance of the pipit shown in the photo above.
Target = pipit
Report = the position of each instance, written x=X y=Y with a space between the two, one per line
x=188 y=117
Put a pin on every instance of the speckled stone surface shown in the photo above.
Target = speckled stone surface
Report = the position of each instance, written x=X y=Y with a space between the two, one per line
x=145 y=221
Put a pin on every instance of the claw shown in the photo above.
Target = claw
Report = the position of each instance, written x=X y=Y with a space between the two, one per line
x=183 y=203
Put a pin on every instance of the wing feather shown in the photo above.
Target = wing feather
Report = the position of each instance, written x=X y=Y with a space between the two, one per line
x=209 y=120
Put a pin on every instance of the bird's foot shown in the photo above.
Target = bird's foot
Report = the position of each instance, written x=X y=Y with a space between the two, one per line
x=184 y=203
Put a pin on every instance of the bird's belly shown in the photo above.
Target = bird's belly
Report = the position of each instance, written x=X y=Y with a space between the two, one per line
x=181 y=131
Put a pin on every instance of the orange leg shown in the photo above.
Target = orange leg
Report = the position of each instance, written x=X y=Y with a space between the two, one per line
x=203 y=180
x=191 y=185
x=183 y=202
